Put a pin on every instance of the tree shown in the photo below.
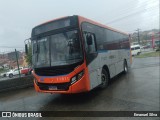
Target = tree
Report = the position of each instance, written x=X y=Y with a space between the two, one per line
x=29 y=55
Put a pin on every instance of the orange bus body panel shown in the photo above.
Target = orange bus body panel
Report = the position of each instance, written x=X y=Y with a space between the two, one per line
x=81 y=85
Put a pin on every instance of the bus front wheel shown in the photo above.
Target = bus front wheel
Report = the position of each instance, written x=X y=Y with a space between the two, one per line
x=104 y=79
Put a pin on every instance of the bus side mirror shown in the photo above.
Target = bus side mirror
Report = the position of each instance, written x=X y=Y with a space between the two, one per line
x=89 y=40
x=26 y=49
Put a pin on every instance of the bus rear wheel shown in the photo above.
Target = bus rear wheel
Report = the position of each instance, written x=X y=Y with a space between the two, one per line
x=125 y=67
x=104 y=79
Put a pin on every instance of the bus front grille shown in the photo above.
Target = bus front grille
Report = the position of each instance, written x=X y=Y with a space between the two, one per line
x=54 y=87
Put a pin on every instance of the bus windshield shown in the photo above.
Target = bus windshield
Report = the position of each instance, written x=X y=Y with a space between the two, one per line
x=58 y=49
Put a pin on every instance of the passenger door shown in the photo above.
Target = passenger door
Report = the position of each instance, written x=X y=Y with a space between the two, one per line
x=92 y=59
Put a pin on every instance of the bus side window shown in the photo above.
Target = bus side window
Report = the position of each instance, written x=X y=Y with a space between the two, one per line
x=90 y=43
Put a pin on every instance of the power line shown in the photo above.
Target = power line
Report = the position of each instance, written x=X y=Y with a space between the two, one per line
x=136 y=11
x=148 y=20
x=132 y=14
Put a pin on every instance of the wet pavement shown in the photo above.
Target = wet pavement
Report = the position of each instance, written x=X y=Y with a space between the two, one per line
x=136 y=91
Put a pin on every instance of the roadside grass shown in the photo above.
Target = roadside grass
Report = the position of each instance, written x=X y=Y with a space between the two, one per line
x=151 y=54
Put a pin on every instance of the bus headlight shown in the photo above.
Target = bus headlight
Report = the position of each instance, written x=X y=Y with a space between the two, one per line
x=73 y=80
x=77 y=77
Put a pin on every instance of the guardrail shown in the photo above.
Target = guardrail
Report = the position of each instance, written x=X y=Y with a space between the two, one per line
x=16 y=83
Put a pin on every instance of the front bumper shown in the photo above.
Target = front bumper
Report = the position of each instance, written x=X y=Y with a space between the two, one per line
x=65 y=88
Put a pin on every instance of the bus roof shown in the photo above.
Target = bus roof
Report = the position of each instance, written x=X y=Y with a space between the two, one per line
x=52 y=20
x=83 y=19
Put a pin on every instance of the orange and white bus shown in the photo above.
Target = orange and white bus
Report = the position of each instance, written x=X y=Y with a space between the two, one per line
x=74 y=54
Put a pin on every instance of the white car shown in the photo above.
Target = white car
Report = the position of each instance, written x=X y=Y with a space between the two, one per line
x=13 y=72
x=135 y=49
x=3 y=74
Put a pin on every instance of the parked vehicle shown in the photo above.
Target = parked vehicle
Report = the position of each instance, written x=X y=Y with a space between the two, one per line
x=157 y=45
x=13 y=72
x=146 y=46
x=3 y=74
x=26 y=71
x=135 y=49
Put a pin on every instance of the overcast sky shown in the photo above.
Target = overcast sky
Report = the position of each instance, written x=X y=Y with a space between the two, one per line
x=18 y=17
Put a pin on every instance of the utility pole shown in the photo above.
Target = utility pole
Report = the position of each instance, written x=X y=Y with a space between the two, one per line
x=17 y=63
x=153 y=40
x=138 y=36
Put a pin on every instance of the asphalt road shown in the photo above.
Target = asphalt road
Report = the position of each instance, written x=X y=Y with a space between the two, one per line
x=136 y=91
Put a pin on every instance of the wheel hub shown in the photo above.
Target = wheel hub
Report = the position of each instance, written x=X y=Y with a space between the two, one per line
x=103 y=79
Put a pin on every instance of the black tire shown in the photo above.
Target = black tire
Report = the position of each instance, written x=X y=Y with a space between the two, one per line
x=125 y=67
x=104 y=79
x=10 y=75
x=4 y=75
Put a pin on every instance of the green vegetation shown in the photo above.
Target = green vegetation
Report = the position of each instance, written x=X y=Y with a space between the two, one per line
x=29 y=56
x=151 y=54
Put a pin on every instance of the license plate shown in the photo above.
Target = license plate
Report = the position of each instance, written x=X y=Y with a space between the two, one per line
x=52 y=87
